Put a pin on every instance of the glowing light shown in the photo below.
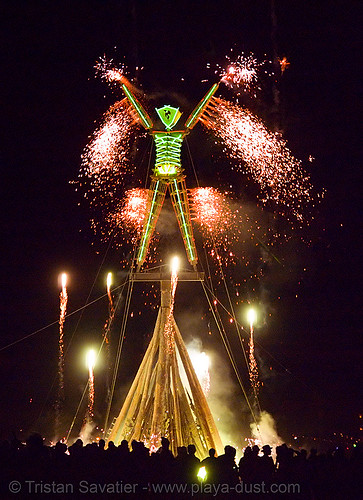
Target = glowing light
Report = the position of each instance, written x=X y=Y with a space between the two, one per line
x=202 y=474
x=64 y=280
x=109 y=282
x=169 y=116
x=219 y=224
x=63 y=311
x=107 y=328
x=130 y=215
x=175 y=265
x=201 y=364
x=91 y=362
x=168 y=151
x=252 y=316
x=91 y=359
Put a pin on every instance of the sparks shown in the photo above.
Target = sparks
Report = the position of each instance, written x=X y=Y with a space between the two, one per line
x=91 y=362
x=63 y=311
x=219 y=223
x=111 y=312
x=264 y=153
x=108 y=285
x=210 y=209
x=107 y=330
x=242 y=73
x=107 y=153
x=63 y=298
x=253 y=368
x=152 y=443
x=284 y=64
x=105 y=172
x=105 y=69
x=130 y=214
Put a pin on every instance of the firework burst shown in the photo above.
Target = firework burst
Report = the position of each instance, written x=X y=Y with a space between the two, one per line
x=129 y=215
x=219 y=223
x=263 y=153
x=211 y=210
x=242 y=73
x=108 y=72
x=106 y=156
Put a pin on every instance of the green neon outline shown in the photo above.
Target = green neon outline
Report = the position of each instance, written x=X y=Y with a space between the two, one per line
x=146 y=232
x=186 y=226
x=198 y=110
x=175 y=119
x=168 y=152
x=147 y=123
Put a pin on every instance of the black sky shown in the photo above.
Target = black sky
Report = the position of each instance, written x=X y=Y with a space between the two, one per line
x=50 y=100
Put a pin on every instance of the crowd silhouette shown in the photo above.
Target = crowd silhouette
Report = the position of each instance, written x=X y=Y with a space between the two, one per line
x=34 y=470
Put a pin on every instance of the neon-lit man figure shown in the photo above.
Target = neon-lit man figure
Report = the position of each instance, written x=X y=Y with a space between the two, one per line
x=168 y=172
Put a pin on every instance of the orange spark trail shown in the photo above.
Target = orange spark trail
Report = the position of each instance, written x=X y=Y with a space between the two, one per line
x=253 y=364
x=63 y=297
x=111 y=312
x=63 y=311
x=91 y=395
x=108 y=284
x=91 y=361
x=106 y=332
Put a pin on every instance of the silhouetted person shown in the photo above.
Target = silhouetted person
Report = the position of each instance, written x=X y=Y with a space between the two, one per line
x=193 y=464
x=265 y=465
x=246 y=466
x=210 y=464
x=181 y=465
x=227 y=471
x=162 y=463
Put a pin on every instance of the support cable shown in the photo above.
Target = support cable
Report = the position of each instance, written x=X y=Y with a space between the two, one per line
x=226 y=288
x=121 y=341
x=227 y=346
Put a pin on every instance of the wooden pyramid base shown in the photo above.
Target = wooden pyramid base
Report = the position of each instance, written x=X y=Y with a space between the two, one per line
x=158 y=403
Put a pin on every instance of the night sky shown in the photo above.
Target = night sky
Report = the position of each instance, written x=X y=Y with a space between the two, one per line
x=50 y=102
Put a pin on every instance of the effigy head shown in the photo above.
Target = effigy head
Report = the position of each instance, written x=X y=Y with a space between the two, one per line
x=169 y=116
